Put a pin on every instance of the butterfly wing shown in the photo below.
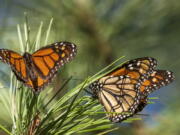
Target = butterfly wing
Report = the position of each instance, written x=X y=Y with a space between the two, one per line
x=139 y=68
x=156 y=80
x=16 y=62
x=119 y=95
x=49 y=59
x=37 y=85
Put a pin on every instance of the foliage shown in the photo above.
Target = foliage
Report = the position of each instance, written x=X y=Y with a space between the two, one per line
x=105 y=30
x=67 y=115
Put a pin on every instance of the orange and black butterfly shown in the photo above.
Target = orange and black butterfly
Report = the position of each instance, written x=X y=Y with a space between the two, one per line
x=37 y=70
x=123 y=92
x=119 y=90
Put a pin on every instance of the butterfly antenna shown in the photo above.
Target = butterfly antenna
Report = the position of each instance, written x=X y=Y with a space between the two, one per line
x=88 y=91
x=141 y=114
x=74 y=79
x=64 y=84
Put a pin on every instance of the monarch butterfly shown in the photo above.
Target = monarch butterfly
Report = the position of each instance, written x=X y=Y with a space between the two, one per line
x=37 y=70
x=119 y=90
x=123 y=92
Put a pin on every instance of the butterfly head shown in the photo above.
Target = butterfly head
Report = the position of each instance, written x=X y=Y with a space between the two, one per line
x=27 y=55
x=96 y=87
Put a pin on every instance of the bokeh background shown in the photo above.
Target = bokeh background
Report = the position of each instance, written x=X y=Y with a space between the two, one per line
x=105 y=30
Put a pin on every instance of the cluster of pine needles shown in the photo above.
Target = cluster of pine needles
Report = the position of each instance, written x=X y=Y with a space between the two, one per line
x=41 y=114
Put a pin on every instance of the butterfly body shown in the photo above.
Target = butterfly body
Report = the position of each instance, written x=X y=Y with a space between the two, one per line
x=142 y=103
x=38 y=69
x=27 y=57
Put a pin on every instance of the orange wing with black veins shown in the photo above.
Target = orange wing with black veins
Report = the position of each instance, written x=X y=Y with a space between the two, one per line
x=137 y=68
x=49 y=59
x=16 y=62
x=156 y=80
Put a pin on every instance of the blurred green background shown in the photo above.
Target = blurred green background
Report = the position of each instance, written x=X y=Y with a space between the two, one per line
x=104 y=30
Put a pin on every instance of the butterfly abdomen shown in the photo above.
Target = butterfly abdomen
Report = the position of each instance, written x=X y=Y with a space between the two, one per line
x=95 y=87
x=30 y=66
